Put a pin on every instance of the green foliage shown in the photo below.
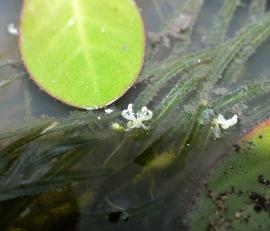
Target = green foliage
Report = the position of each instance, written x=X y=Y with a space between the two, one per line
x=257 y=9
x=219 y=33
x=86 y=59
x=83 y=150
x=237 y=195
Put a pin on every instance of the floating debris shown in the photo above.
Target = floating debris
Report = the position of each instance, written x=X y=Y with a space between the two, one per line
x=136 y=120
x=237 y=147
x=181 y=24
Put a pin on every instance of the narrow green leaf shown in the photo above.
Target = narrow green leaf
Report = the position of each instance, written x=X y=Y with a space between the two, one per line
x=178 y=93
x=242 y=94
x=186 y=15
x=221 y=26
x=30 y=189
x=235 y=67
x=257 y=9
x=82 y=175
x=164 y=73
x=24 y=136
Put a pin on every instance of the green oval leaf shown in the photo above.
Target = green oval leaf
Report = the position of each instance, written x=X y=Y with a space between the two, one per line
x=86 y=53
x=237 y=195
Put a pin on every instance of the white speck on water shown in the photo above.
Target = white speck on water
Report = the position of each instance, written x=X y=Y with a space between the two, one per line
x=71 y=22
x=99 y=118
x=12 y=29
x=199 y=60
x=108 y=110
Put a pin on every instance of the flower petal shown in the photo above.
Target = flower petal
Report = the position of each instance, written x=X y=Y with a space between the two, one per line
x=148 y=116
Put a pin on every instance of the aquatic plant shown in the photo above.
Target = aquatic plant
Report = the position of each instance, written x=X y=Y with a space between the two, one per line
x=186 y=91
x=90 y=59
x=236 y=194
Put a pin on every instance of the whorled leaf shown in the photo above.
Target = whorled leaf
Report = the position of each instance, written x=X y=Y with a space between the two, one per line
x=84 y=53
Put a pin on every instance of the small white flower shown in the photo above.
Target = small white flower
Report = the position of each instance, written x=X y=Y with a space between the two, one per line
x=220 y=121
x=225 y=124
x=11 y=28
x=136 y=119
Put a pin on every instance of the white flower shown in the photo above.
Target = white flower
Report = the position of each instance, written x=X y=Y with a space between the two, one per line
x=225 y=124
x=136 y=120
x=220 y=121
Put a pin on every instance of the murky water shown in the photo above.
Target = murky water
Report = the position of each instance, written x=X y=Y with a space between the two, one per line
x=23 y=100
